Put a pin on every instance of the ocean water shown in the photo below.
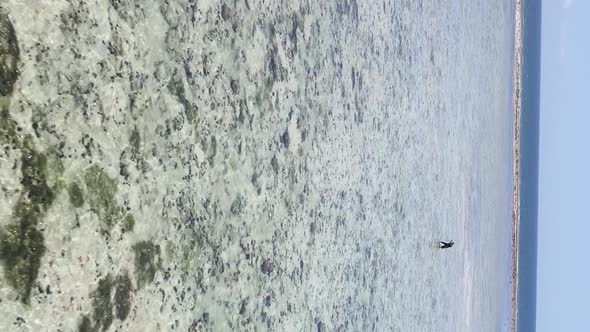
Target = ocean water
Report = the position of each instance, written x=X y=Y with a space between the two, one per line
x=529 y=167
x=255 y=165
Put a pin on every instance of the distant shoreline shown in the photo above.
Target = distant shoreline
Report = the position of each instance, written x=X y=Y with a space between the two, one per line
x=516 y=160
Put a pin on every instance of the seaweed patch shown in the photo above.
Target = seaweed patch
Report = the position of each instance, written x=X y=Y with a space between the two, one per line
x=128 y=223
x=122 y=300
x=111 y=299
x=21 y=243
x=76 y=195
x=9 y=55
x=101 y=190
x=7 y=124
x=176 y=88
x=147 y=262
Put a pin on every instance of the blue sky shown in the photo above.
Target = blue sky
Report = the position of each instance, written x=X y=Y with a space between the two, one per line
x=563 y=277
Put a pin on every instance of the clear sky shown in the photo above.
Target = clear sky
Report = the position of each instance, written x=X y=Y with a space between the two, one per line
x=563 y=275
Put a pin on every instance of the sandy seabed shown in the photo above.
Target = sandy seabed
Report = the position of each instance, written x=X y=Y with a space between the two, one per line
x=252 y=165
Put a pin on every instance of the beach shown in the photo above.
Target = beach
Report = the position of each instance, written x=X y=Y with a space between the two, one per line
x=257 y=165
x=516 y=153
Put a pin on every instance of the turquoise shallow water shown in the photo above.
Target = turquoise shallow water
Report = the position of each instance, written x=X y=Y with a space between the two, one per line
x=256 y=165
